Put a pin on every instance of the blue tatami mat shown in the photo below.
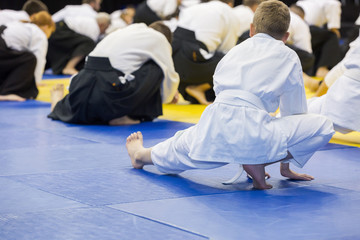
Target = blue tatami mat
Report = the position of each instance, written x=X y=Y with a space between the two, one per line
x=67 y=181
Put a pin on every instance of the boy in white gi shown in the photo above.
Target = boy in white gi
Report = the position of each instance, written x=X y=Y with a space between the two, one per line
x=252 y=80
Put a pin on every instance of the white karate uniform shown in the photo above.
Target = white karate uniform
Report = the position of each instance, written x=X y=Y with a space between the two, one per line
x=320 y=12
x=245 y=16
x=116 y=22
x=128 y=48
x=214 y=24
x=253 y=79
x=28 y=37
x=162 y=8
x=341 y=102
x=188 y=3
x=86 y=26
x=84 y=10
x=8 y=15
x=299 y=31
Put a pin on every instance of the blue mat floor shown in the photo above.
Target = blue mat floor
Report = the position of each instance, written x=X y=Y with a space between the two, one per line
x=66 y=181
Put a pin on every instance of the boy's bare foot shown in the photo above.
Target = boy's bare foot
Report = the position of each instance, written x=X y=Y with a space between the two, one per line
x=139 y=155
x=12 y=97
x=134 y=143
x=125 y=120
x=57 y=93
x=257 y=172
x=287 y=172
x=198 y=92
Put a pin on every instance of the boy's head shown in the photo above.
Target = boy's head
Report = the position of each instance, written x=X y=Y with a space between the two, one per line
x=161 y=27
x=34 y=6
x=271 y=17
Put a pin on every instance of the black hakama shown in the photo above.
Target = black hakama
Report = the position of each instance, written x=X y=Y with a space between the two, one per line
x=189 y=63
x=144 y=14
x=326 y=48
x=97 y=94
x=65 y=44
x=17 y=71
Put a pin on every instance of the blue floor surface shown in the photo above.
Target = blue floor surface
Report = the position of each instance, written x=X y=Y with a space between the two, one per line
x=66 y=181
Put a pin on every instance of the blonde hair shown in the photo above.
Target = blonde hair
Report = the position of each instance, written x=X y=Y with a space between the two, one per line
x=43 y=18
x=272 y=17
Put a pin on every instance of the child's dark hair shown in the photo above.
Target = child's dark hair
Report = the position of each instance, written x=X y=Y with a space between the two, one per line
x=34 y=6
x=161 y=27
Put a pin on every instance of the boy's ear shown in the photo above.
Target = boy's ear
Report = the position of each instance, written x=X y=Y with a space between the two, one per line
x=252 y=30
x=285 y=37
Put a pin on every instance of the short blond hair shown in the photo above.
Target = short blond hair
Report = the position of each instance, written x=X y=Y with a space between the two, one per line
x=272 y=17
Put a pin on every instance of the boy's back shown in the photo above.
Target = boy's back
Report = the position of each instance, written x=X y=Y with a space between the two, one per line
x=267 y=68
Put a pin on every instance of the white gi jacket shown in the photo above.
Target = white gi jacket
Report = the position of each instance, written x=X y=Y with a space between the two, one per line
x=8 y=15
x=320 y=12
x=28 y=37
x=245 y=16
x=252 y=80
x=214 y=24
x=162 y=8
x=86 y=26
x=84 y=10
x=130 y=47
x=341 y=102
x=299 y=31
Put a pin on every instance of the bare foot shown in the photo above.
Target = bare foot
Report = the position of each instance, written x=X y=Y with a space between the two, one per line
x=135 y=148
x=198 y=92
x=257 y=172
x=57 y=93
x=296 y=176
x=12 y=97
x=125 y=120
x=287 y=172
x=69 y=71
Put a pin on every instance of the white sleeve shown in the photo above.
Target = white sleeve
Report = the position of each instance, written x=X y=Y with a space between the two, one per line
x=86 y=26
x=59 y=15
x=38 y=46
x=293 y=100
x=162 y=56
x=333 y=14
x=334 y=74
x=171 y=77
x=162 y=8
